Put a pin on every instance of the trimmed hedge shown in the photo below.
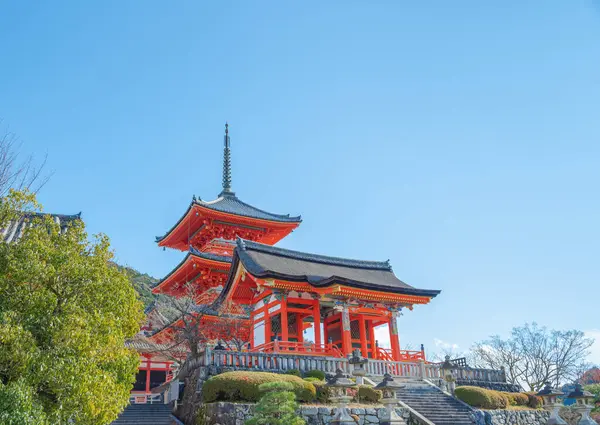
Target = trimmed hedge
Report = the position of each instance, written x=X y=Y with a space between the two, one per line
x=368 y=394
x=311 y=379
x=480 y=397
x=516 y=399
x=320 y=375
x=243 y=386
x=323 y=391
x=534 y=401
x=294 y=372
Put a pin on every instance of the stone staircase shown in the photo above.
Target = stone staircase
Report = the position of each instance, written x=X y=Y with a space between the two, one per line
x=145 y=414
x=435 y=405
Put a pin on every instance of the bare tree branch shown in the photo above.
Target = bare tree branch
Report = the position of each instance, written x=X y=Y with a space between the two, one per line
x=533 y=355
x=189 y=332
x=16 y=172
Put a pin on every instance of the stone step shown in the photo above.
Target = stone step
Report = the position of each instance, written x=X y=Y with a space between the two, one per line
x=435 y=405
x=145 y=414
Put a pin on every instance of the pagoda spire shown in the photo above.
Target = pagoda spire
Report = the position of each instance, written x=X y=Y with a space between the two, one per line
x=226 y=165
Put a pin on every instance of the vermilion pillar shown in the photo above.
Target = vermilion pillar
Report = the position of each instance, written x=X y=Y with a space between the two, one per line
x=394 y=341
x=363 y=336
x=148 y=365
x=317 y=323
x=346 y=336
x=372 y=340
x=284 y=320
x=267 y=327
x=299 y=328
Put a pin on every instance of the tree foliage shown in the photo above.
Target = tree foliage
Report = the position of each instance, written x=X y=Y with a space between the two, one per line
x=277 y=406
x=533 y=355
x=65 y=312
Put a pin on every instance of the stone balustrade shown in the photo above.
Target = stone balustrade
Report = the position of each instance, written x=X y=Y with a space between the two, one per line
x=279 y=362
x=273 y=362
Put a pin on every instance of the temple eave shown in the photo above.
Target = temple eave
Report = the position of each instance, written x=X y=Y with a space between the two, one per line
x=189 y=227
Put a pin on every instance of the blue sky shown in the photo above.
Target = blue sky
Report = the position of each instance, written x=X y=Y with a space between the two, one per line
x=458 y=139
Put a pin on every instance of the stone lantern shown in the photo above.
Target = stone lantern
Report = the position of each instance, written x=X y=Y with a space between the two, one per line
x=550 y=397
x=358 y=362
x=448 y=382
x=339 y=385
x=583 y=404
x=389 y=387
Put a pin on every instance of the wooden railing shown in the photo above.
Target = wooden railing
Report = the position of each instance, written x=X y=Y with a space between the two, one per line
x=384 y=354
x=329 y=350
x=405 y=355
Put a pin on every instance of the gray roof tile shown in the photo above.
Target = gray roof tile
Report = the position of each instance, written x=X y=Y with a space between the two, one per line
x=15 y=228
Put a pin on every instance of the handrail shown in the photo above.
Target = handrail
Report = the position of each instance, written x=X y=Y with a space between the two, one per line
x=404 y=355
x=299 y=348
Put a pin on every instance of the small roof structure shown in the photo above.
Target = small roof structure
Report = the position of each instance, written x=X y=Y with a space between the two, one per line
x=15 y=228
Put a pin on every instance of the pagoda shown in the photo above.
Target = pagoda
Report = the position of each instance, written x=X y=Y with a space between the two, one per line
x=207 y=232
x=277 y=294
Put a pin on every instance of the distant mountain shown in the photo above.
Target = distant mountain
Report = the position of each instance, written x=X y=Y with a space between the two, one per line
x=142 y=283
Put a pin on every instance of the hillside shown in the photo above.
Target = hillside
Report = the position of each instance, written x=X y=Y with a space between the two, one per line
x=142 y=283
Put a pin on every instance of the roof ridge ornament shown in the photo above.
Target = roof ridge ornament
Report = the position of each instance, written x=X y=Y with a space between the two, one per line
x=227 y=165
x=241 y=243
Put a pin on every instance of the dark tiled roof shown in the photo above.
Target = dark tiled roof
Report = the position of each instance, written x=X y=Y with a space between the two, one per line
x=268 y=262
x=14 y=230
x=209 y=256
x=229 y=203
x=144 y=345
x=196 y=253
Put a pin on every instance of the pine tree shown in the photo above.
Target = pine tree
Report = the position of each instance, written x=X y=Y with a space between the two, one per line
x=277 y=406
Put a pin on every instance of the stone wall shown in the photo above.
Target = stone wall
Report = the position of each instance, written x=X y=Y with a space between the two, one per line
x=523 y=417
x=511 y=417
x=222 y=413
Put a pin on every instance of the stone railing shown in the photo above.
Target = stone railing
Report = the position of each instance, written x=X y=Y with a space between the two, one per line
x=273 y=362
x=283 y=362
x=485 y=375
x=401 y=369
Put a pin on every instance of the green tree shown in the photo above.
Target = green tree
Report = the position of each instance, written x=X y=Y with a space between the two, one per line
x=65 y=312
x=277 y=406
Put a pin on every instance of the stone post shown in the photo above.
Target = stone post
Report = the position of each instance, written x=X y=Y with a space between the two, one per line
x=582 y=404
x=551 y=404
x=422 y=370
x=339 y=384
x=358 y=366
x=389 y=387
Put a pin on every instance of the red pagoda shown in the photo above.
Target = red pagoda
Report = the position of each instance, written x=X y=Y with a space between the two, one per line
x=276 y=294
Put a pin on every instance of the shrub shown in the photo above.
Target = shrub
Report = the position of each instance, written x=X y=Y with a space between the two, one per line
x=516 y=399
x=243 y=386
x=323 y=391
x=368 y=394
x=294 y=372
x=277 y=406
x=534 y=401
x=480 y=397
x=315 y=374
x=311 y=379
